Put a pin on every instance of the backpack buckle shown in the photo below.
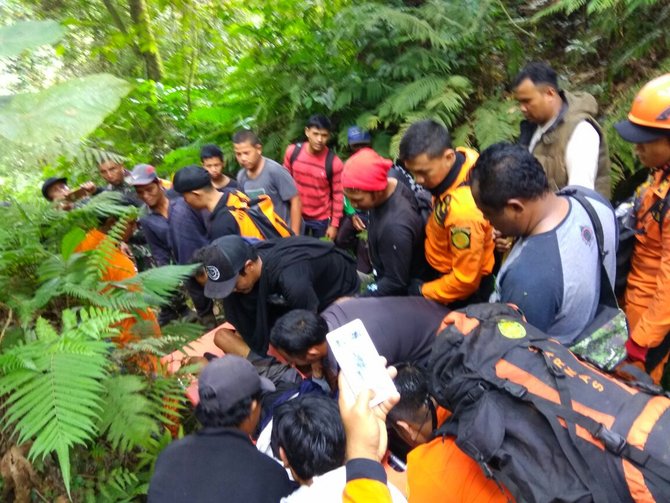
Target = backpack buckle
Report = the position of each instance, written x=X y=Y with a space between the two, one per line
x=516 y=390
x=614 y=442
x=475 y=393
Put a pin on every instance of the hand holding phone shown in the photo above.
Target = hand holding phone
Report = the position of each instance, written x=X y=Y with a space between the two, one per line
x=360 y=362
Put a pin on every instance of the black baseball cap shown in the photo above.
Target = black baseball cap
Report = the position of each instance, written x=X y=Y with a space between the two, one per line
x=227 y=380
x=50 y=182
x=191 y=178
x=224 y=260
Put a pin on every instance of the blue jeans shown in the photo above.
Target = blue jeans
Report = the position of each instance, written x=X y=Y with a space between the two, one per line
x=316 y=228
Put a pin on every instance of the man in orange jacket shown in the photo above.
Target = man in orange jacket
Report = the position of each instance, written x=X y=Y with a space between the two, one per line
x=459 y=240
x=437 y=469
x=647 y=296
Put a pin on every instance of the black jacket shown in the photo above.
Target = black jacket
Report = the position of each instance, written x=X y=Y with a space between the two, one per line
x=217 y=464
x=298 y=272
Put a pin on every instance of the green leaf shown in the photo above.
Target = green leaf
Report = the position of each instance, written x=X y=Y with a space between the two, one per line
x=70 y=241
x=62 y=113
x=16 y=38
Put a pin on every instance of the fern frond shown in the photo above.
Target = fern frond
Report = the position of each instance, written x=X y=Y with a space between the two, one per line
x=159 y=282
x=407 y=97
x=56 y=399
x=124 y=416
x=495 y=121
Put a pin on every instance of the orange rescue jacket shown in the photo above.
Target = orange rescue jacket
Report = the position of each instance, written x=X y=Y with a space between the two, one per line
x=647 y=297
x=459 y=240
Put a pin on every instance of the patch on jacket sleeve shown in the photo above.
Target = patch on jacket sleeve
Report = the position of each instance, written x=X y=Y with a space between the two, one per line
x=460 y=237
x=441 y=210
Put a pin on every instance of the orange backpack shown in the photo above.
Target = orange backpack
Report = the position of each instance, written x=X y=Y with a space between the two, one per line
x=256 y=217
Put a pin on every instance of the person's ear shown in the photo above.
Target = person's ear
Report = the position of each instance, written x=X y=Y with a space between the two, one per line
x=516 y=206
x=449 y=156
x=248 y=265
x=283 y=457
x=313 y=352
x=406 y=429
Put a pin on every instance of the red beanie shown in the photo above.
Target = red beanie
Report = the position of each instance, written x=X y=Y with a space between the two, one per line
x=366 y=170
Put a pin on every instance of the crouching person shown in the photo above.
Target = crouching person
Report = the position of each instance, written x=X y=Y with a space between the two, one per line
x=437 y=469
x=308 y=436
x=219 y=462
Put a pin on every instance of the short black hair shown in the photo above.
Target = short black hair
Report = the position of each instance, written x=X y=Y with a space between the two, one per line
x=310 y=431
x=424 y=137
x=412 y=384
x=297 y=331
x=505 y=171
x=213 y=417
x=246 y=135
x=319 y=122
x=210 y=150
x=538 y=73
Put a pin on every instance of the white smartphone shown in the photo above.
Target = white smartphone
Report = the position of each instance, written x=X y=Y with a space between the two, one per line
x=360 y=362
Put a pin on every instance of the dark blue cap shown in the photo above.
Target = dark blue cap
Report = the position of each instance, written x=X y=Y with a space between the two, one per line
x=356 y=135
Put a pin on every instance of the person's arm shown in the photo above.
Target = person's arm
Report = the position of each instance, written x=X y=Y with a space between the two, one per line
x=295 y=214
x=223 y=225
x=159 y=250
x=288 y=191
x=395 y=248
x=296 y=287
x=581 y=155
x=365 y=430
x=654 y=324
x=337 y=202
x=187 y=232
x=532 y=285
x=366 y=482
x=468 y=259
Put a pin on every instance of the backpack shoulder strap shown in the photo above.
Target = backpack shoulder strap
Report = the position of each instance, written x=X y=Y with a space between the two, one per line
x=330 y=156
x=294 y=155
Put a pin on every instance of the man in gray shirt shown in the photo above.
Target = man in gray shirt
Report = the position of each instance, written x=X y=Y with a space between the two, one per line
x=260 y=175
x=552 y=272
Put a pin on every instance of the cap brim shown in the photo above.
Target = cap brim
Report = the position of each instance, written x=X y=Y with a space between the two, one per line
x=267 y=384
x=639 y=134
x=139 y=181
x=220 y=289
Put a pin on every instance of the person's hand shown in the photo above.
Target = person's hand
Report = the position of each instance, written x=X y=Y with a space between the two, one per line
x=358 y=223
x=331 y=232
x=339 y=300
x=89 y=187
x=636 y=353
x=502 y=243
x=125 y=249
x=365 y=427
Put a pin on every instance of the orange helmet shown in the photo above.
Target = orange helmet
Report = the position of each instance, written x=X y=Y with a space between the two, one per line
x=649 y=116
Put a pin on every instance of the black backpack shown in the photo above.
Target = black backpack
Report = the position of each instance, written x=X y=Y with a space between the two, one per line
x=542 y=422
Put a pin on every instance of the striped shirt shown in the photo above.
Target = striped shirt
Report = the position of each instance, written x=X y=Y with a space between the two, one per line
x=309 y=173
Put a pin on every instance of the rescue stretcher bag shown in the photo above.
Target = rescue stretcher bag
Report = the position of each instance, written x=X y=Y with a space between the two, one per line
x=547 y=425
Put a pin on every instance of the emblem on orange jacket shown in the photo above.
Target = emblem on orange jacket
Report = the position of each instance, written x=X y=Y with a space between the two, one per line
x=460 y=237
x=441 y=210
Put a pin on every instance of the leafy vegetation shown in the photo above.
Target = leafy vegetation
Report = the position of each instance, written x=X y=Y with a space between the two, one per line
x=151 y=81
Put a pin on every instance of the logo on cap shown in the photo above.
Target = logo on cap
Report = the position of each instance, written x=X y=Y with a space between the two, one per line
x=212 y=273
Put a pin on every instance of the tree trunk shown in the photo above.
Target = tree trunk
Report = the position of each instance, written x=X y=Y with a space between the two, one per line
x=147 y=41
